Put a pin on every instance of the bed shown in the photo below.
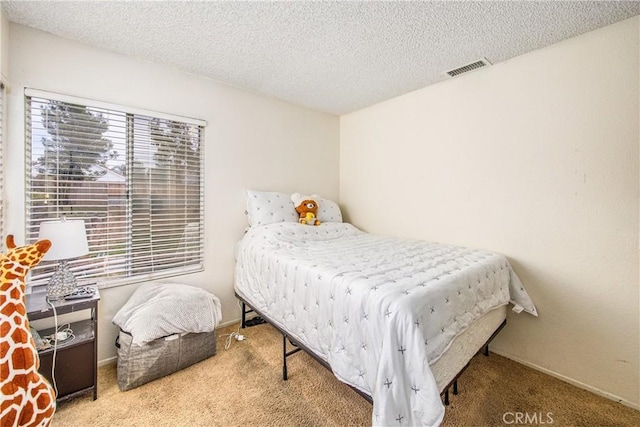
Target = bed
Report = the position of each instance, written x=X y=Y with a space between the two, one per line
x=396 y=319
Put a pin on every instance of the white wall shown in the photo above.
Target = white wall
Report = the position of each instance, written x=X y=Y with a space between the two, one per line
x=4 y=44
x=536 y=158
x=251 y=141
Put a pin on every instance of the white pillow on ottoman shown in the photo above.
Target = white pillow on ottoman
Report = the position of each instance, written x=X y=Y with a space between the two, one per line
x=156 y=310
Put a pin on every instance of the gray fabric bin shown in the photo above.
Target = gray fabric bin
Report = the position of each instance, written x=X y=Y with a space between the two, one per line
x=139 y=364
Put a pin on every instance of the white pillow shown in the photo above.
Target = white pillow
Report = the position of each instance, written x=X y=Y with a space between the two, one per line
x=267 y=207
x=156 y=310
x=328 y=211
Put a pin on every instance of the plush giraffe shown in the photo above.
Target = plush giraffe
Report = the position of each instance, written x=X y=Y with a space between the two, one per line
x=27 y=398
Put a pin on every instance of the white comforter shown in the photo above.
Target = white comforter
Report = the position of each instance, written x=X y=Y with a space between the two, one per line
x=378 y=309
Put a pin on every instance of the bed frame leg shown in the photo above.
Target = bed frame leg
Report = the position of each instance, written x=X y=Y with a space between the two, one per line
x=244 y=315
x=284 y=358
x=486 y=346
x=446 y=397
x=455 y=387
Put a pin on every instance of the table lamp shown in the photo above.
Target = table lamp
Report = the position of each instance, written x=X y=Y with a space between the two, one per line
x=68 y=240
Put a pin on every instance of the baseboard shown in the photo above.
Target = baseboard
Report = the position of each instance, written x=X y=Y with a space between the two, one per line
x=571 y=381
x=230 y=322
x=110 y=361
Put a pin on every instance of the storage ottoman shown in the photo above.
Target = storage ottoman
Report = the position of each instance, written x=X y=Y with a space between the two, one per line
x=139 y=364
x=164 y=327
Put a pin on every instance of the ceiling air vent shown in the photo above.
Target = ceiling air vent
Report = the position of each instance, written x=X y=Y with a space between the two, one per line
x=469 y=67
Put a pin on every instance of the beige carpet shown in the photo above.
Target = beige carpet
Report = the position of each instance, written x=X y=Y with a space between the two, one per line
x=243 y=386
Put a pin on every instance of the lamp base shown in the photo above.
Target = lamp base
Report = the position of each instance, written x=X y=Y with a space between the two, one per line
x=62 y=283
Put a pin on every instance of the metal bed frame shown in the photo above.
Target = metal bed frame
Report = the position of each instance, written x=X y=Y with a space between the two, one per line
x=300 y=346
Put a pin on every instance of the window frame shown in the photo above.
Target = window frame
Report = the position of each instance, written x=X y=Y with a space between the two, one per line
x=131 y=114
x=2 y=168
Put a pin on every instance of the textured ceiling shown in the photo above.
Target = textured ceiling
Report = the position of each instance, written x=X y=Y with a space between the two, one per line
x=334 y=57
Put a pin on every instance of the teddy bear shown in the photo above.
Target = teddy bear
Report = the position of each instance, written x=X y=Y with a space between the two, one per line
x=307 y=208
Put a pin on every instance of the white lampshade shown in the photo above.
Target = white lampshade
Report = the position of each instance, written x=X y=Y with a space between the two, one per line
x=68 y=239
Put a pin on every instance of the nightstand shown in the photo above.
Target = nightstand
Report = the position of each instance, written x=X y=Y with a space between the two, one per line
x=76 y=364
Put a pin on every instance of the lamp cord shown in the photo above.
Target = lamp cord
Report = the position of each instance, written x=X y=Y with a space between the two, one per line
x=55 y=347
x=229 y=337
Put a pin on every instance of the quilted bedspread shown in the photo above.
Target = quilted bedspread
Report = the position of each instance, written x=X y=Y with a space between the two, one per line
x=379 y=309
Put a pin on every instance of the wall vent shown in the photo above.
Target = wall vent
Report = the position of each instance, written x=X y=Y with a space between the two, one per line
x=483 y=62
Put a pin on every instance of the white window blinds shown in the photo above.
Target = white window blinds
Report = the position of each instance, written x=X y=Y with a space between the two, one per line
x=135 y=179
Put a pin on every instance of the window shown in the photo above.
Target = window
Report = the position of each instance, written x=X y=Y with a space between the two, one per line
x=134 y=177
